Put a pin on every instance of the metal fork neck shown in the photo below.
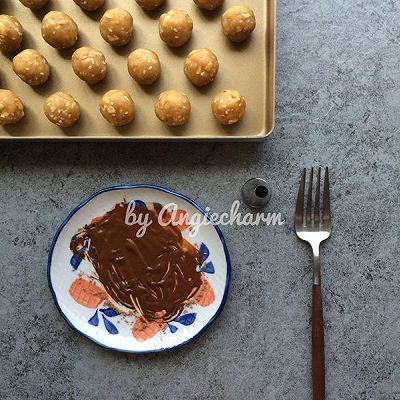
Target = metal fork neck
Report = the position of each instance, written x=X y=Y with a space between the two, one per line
x=317 y=264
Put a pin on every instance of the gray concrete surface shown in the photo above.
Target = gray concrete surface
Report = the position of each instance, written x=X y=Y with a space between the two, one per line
x=339 y=105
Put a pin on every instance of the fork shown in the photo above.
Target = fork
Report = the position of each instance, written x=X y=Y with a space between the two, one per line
x=311 y=228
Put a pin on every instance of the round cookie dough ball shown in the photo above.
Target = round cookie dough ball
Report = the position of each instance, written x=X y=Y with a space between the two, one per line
x=59 y=30
x=89 y=5
x=144 y=66
x=238 y=23
x=149 y=5
x=201 y=67
x=89 y=65
x=116 y=27
x=209 y=4
x=11 y=108
x=228 y=107
x=62 y=109
x=117 y=107
x=11 y=33
x=31 y=67
x=173 y=108
x=175 y=27
x=34 y=4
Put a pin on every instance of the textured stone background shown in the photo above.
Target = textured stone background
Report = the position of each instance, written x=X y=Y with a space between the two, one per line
x=338 y=104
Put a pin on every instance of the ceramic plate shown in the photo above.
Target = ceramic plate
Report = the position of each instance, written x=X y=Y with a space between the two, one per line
x=88 y=308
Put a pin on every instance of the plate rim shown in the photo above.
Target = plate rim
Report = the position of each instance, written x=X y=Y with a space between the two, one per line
x=164 y=190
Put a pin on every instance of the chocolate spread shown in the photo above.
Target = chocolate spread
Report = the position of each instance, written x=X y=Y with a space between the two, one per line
x=155 y=275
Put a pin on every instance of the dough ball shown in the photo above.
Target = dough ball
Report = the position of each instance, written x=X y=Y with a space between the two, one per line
x=201 y=67
x=11 y=33
x=144 y=66
x=31 y=67
x=89 y=5
x=116 y=27
x=173 y=108
x=11 y=108
x=34 y=4
x=209 y=4
x=238 y=23
x=59 y=30
x=228 y=107
x=89 y=65
x=175 y=27
x=149 y=5
x=117 y=107
x=62 y=109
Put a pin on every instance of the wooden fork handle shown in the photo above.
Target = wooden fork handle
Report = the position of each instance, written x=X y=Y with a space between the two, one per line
x=318 y=347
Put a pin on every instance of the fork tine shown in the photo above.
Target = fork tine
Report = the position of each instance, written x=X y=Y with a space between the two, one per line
x=317 y=212
x=309 y=198
x=298 y=217
x=326 y=210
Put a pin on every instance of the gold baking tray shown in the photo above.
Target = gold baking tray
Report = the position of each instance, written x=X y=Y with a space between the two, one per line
x=248 y=67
